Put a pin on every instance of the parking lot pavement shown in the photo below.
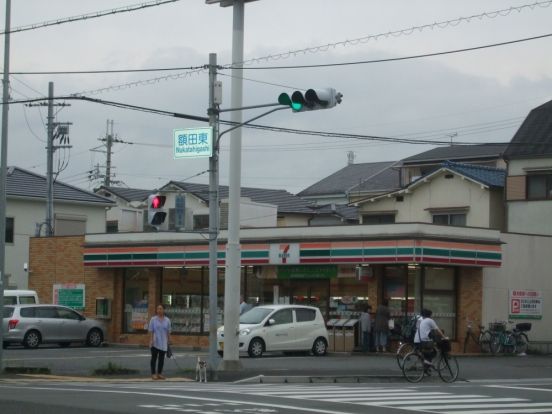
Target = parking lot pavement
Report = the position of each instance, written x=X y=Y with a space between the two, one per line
x=81 y=361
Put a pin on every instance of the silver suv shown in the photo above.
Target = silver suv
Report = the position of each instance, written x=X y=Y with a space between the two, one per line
x=32 y=325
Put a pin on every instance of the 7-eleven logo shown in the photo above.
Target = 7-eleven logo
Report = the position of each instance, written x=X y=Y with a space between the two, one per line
x=286 y=253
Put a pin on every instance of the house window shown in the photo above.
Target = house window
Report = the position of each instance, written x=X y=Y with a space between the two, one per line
x=112 y=226
x=539 y=187
x=378 y=219
x=201 y=222
x=9 y=229
x=450 y=219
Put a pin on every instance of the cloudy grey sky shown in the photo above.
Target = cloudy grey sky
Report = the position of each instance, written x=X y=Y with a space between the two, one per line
x=482 y=96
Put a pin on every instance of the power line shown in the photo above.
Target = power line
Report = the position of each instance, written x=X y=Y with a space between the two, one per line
x=344 y=43
x=395 y=59
x=89 y=16
x=104 y=71
x=262 y=127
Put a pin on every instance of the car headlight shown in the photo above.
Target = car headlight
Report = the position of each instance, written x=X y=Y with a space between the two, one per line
x=245 y=332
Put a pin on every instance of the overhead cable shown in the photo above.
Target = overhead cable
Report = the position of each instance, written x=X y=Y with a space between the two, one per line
x=88 y=16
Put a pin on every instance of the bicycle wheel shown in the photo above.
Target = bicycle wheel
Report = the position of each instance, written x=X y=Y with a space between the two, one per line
x=485 y=342
x=522 y=343
x=496 y=343
x=413 y=367
x=509 y=345
x=448 y=368
x=403 y=351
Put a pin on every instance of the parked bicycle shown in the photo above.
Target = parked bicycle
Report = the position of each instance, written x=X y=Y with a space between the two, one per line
x=509 y=341
x=483 y=339
x=414 y=367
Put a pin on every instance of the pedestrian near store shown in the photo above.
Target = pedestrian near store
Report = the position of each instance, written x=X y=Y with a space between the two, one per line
x=366 y=328
x=160 y=330
x=382 y=326
x=244 y=306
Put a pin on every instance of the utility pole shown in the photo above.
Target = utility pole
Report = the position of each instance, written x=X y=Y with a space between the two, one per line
x=214 y=102
x=109 y=145
x=4 y=166
x=54 y=130
x=50 y=163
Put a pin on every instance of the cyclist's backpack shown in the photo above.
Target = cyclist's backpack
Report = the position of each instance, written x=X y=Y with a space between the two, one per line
x=411 y=328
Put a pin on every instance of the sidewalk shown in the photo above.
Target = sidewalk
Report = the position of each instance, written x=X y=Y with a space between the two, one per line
x=334 y=367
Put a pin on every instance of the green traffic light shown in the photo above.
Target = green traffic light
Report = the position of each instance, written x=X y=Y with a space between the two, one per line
x=284 y=99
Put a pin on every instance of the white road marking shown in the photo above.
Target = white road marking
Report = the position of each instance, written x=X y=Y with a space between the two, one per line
x=158 y=394
x=500 y=411
x=519 y=388
x=413 y=397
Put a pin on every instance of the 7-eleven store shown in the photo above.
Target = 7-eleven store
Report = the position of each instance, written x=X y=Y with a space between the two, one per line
x=338 y=269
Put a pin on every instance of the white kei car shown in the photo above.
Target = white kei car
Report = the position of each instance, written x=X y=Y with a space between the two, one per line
x=268 y=328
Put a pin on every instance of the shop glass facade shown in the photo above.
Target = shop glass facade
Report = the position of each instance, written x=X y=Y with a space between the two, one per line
x=135 y=300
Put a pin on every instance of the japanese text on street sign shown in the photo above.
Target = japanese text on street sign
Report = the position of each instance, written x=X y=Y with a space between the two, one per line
x=525 y=304
x=193 y=142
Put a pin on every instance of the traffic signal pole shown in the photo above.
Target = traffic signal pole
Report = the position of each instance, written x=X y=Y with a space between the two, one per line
x=213 y=217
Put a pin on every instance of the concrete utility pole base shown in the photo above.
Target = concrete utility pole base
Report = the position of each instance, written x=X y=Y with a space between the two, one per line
x=231 y=365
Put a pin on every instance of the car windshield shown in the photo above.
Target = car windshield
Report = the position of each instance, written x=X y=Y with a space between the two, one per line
x=8 y=311
x=255 y=315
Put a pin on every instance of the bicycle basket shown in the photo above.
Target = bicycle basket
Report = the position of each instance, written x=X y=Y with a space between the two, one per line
x=497 y=326
x=523 y=327
x=444 y=345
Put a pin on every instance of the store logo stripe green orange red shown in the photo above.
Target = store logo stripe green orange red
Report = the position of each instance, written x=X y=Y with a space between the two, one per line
x=163 y=256
x=346 y=252
x=95 y=257
x=318 y=252
x=252 y=254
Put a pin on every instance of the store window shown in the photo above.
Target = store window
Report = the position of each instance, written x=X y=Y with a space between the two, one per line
x=440 y=297
x=185 y=293
x=136 y=295
x=394 y=289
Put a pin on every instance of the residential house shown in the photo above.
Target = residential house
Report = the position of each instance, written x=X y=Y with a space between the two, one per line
x=455 y=194
x=76 y=212
x=529 y=181
x=424 y=163
x=128 y=213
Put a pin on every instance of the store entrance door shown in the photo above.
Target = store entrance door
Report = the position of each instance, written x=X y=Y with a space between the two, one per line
x=310 y=293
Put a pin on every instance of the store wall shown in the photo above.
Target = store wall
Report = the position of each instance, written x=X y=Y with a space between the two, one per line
x=525 y=266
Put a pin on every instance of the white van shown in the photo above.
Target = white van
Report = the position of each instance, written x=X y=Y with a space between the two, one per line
x=20 y=297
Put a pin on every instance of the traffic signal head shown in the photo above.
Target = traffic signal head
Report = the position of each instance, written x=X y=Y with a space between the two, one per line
x=311 y=100
x=156 y=215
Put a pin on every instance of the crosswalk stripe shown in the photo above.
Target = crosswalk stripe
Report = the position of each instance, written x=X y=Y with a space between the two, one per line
x=511 y=405
x=348 y=393
x=367 y=399
x=502 y=411
x=453 y=400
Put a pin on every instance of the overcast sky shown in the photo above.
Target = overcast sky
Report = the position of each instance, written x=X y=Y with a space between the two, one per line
x=482 y=96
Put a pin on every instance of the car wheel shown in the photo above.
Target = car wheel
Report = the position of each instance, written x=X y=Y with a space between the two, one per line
x=94 y=338
x=64 y=344
x=256 y=348
x=319 y=347
x=32 y=339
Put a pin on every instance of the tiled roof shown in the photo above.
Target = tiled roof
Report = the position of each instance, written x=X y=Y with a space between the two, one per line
x=128 y=194
x=492 y=177
x=353 y=175
x=386 y=180
x=285 y=201
x=534 y=136
x=23 y=183
x=457 y=153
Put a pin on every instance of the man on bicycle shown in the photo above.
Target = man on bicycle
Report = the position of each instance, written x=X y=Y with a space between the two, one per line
x=427 y=329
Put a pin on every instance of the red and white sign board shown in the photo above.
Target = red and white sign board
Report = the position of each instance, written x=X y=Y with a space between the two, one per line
x=525 y=304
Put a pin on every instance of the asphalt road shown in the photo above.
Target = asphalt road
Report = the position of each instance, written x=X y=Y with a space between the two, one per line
x=81 y=361
x=495 y=397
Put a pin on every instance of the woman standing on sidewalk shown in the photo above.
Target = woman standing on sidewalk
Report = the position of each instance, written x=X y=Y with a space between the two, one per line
x=382 y=326
x=160 y=329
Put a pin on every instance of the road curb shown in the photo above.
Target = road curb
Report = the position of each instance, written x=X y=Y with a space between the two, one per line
x=312 y=379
